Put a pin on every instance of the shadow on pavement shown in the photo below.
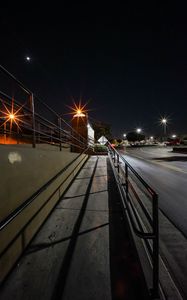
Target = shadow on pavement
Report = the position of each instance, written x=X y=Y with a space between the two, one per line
x=127 y=279
x=39 y=247
x=64 y=270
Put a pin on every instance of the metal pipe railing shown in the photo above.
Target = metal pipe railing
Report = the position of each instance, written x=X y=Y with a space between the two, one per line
x=36 y=119
x=128 y=191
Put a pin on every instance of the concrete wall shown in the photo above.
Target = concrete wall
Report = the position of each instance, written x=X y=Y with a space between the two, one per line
x=23 y=171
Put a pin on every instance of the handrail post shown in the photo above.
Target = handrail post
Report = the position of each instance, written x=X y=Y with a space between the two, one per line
x=126 y=179
x=51 y=135
x=118 y=163
x=33 y=121
x=60 y=135
x=5 y=133
x=39 y=130
x=114 y=157
x=153 y=219
x=155 y=291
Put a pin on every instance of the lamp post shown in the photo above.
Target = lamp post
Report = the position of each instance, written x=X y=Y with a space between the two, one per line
x=80 y=129
x=138 y=130
x=11 y=118
x=164 y=123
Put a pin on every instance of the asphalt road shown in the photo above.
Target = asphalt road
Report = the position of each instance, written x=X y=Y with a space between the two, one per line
x=166 y=172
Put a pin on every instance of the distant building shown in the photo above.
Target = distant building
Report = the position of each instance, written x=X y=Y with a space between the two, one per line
x=83 y=133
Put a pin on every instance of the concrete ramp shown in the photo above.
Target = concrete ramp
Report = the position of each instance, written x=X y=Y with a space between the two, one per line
x=70 y=255
x=83 y=250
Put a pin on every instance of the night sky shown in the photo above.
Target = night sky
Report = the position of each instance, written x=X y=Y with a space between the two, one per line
x=129 y=62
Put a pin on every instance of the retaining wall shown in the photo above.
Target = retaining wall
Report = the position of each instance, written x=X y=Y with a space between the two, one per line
x=24 y=170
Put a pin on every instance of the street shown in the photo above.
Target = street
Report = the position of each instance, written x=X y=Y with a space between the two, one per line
x=166 y=172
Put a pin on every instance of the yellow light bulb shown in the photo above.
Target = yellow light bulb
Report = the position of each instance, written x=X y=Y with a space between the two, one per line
x=11 y=116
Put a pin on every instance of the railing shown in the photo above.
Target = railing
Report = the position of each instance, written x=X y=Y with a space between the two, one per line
x=127 y=179
x=34 y=121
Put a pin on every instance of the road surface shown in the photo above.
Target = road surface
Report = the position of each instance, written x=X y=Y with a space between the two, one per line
x=166 y=173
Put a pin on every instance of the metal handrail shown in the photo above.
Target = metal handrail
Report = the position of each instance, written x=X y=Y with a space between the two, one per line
x=7 y=73
x=120 y=163
x=43 y=121
x=39 y=116
x=38 y=119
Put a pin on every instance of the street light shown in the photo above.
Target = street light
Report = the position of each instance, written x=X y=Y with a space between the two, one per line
x=164 y=122
x=138 y=130
x=174 y=136
x=11 y=116
x=124 y=135
x=79 y=113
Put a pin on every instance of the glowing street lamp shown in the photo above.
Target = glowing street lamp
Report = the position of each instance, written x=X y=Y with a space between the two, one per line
x=79 y=113
x=78 y=110
x=8 y=117
x=151 y=137
x=11 y=117
x=124 y=135
x=164 y=122
x=138 y=130
x=174 y=136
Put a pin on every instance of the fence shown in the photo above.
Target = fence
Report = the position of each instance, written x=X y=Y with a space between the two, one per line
x=30 y=120
x=127 y=179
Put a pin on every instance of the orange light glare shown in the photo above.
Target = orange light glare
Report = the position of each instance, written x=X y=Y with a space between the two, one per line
x=79 y=114
x=78 y=110
x=11 y=116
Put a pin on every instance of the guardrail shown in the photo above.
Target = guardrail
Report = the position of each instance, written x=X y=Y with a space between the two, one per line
x=34 y=121
x=125 y=173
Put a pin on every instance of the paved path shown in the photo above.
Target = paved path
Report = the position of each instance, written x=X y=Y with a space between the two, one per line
x=77 y=254
x=69 y=257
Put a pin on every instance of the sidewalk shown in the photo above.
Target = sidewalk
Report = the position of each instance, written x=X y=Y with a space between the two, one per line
x=83 y=250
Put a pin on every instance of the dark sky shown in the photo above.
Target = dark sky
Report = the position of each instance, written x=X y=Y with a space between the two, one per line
x=130 y=61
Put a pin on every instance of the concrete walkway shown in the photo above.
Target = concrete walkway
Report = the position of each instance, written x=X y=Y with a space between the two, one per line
x=83 y=250
x=69 y=257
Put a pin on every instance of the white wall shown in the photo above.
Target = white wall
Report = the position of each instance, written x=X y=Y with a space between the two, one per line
x=90 y=135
